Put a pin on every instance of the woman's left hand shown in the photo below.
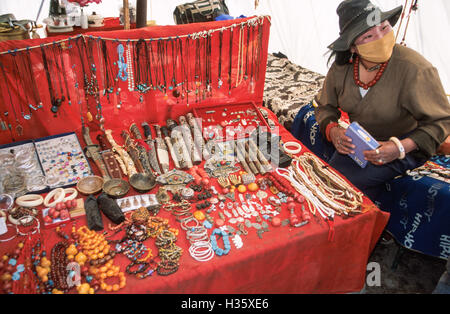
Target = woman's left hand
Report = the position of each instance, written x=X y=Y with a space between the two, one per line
x=385 y=153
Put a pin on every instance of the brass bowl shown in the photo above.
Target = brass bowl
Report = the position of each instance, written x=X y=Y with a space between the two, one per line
x=116 y=188
x=90 y=185
x=142 y=182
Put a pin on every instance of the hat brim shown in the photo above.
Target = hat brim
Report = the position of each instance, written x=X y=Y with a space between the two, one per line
x=344 y=42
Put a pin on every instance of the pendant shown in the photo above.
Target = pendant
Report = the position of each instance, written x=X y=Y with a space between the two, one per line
x=3 y=124
x=89 y=116
x=19 y=129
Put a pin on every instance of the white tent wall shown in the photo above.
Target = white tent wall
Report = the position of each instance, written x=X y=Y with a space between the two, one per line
x=301 y=29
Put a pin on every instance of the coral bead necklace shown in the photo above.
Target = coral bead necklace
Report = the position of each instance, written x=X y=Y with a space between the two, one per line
x=371 y=83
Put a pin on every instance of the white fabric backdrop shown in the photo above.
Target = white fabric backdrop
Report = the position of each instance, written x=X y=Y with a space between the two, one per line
x=301 y=29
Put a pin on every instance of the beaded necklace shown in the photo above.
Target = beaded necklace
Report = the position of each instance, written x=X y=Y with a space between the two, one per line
x=371 y=83
x=130 y=67
x=240 y=65
x=330 y=184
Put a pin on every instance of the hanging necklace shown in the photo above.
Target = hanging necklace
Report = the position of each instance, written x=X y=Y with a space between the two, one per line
x=207 y=62
x=240 y=73
x=102 y=68
x=230 y=55
x=183 y=82
x=147 y=67
x=94 y=81
x=371 y=83
x=17 y=75
x=19 y=128
x=109 y=77
x=188 y=68
x=58 y=72
x=247 y=49
x=29 y=67
x=253 y=60
x=154 y=83
x=219 y=73
x=54 y=101
x=130 y=67
x=77 y=86
x=259 y=50
x=174 y=86
x=197 y=70
x=86 y=83
x=162 y=62
x=63 y=68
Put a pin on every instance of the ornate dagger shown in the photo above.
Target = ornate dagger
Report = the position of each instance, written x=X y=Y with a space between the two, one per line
x=151 y=143
x=93 y=152
x=162 y=150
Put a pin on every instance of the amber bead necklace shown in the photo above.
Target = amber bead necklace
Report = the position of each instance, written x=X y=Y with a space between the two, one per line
x=371 y=83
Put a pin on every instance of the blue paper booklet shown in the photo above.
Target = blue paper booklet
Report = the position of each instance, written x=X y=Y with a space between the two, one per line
x=362 y=140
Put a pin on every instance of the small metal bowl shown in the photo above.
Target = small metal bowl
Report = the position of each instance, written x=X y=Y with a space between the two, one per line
x=142 y=182
x=90 y=185
x=116 y=188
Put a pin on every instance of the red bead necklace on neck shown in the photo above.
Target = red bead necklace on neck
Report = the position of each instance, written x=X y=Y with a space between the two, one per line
x=371 y=83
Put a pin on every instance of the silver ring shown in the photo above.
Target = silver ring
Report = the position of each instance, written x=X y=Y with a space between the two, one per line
x=380 y=161
x=377 y=151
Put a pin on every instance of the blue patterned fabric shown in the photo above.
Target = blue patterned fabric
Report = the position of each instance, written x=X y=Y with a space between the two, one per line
x=419 y=205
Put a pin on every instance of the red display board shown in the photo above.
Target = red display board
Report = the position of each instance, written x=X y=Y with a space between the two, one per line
x=245 y=40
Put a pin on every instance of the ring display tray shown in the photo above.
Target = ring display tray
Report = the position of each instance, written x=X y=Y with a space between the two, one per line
x=58 y=158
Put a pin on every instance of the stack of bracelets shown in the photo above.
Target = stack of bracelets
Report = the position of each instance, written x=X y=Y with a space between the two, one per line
x=169 y=253
x=200 y=249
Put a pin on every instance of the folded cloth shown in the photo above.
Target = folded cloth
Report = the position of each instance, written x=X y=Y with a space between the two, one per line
x=109 y=207
x=93 y=216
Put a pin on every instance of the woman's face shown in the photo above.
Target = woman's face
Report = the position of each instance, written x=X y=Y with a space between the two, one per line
x=374 y=33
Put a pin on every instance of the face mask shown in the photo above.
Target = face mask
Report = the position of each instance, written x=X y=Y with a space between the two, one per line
x=379 y=50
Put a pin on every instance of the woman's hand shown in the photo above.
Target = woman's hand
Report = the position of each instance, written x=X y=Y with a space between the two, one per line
x=385 y=153
x=342 y=142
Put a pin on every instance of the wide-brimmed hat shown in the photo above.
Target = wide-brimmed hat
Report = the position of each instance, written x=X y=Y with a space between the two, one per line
x=358 y=16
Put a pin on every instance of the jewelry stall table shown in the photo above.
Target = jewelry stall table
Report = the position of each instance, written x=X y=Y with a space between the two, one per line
x=321 y=256
x=284 y=260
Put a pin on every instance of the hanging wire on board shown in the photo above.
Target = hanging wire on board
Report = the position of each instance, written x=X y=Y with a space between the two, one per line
x=255 y=20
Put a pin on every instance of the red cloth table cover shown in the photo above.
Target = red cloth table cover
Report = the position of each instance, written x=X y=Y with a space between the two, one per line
x=285 y=260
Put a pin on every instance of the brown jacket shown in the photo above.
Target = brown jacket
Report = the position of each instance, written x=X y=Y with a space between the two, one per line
x=408 y=99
